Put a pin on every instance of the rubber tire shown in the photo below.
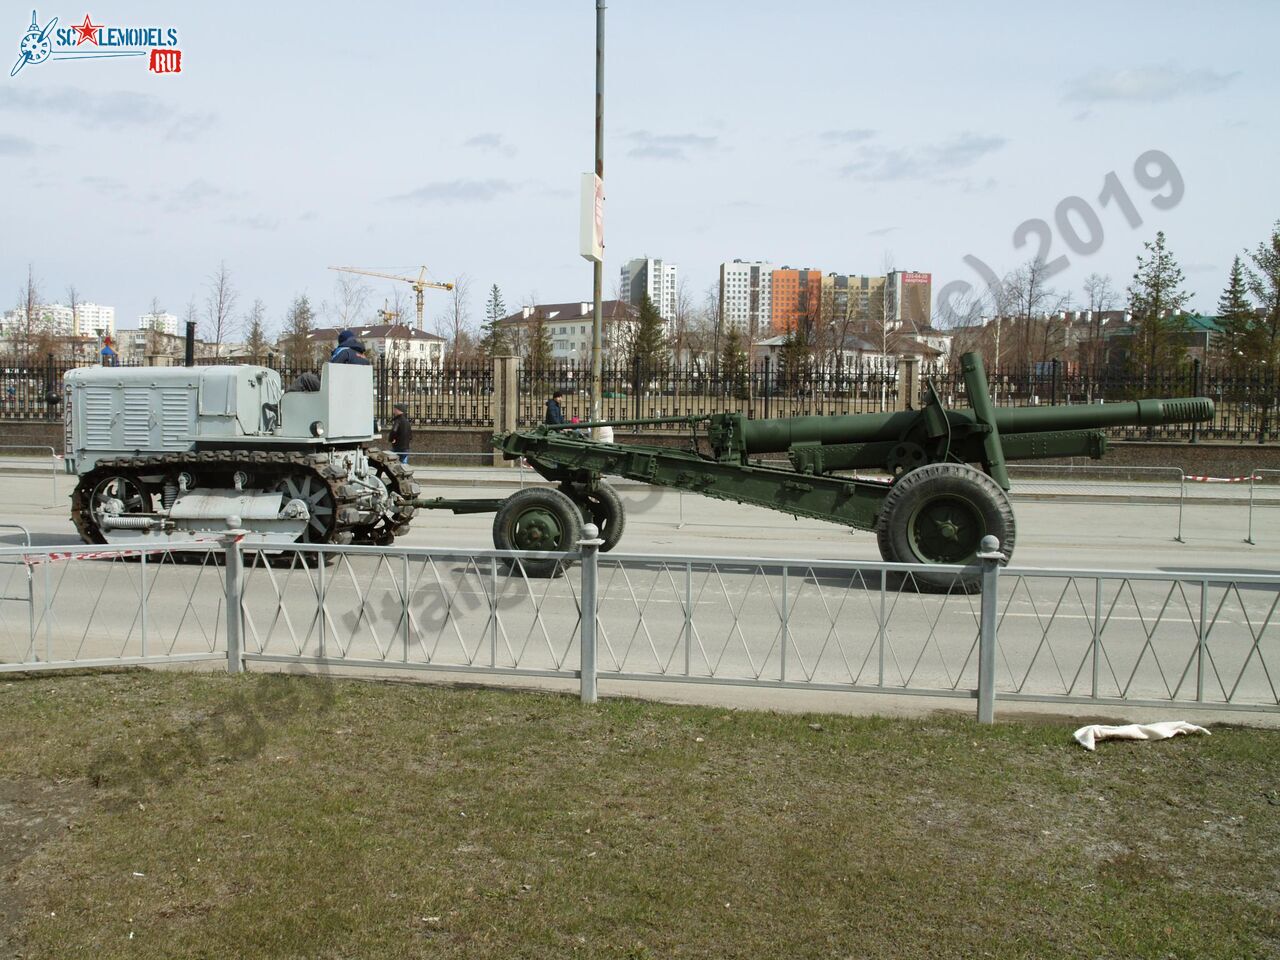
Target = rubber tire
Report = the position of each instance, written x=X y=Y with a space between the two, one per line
x=560 y=506
x=916 y=488
x=604 y=508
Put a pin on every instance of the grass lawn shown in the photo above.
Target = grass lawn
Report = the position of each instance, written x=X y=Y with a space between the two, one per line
x=198 y=815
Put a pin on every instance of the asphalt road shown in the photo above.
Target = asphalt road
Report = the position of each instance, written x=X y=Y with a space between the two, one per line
x=703 y=620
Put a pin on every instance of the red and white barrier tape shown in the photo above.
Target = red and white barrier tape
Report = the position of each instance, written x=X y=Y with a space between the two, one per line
x=1219 y=479
x=32 y=559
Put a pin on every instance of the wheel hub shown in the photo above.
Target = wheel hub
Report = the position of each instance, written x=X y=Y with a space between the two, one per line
x=537 y=530
x=946 y=529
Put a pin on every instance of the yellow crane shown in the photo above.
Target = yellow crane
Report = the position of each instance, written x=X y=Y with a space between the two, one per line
x=419 y=283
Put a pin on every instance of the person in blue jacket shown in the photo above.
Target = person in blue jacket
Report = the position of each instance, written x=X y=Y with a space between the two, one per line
x=349 y=350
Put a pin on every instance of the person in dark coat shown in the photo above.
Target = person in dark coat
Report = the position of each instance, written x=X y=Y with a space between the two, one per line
x=401 y=435
x=349 y=350
x=554 y=413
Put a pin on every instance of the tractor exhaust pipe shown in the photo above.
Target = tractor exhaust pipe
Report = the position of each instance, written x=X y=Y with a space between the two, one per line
x=190 y=357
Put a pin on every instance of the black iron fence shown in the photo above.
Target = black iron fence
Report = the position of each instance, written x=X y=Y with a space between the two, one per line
x=461 y=394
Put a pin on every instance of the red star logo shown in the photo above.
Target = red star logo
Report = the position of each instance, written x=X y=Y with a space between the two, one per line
x=88 y=31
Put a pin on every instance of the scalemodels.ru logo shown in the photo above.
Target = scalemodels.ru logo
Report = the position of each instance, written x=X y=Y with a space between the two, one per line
x=89 y=41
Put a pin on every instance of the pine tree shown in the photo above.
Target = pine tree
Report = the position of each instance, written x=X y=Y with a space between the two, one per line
x=300 y=350
x=1235 y=317
x=649 y=345
x=255 y=338
x=733 y=364
x=1264 y=284
x=1156 y=300
x=538 y=353
x=793 y=365
x=493 y=338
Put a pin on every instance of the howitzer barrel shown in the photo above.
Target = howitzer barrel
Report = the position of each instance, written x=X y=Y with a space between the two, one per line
x=772 y=436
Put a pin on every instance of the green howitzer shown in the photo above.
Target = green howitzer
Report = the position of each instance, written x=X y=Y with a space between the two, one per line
x=943 y=489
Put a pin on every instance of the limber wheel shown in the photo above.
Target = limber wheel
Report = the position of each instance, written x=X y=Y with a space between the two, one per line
x=603 y=507
x=537 y=519
x=939 y=514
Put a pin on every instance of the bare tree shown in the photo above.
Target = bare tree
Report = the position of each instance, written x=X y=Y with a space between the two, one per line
x=73 y=301
x=455 y=324
x=31 y=337
x=220 y=301
x=350 y=302
x=1033 y=310
x=1100 y=296
x=300 y=350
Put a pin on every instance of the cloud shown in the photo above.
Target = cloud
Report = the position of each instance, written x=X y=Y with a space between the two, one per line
x=107 y=186
x=11 y=146
x=193 y=195
x=920 y=163
x=668 y=146
x=256 y=222
x=458 y=191
x=120 y=108
x=492 y=142
x=883 y=231
x=1150 y=84
x=834 y=137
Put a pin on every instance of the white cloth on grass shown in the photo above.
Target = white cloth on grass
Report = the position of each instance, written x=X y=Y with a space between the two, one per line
x=1088 y=736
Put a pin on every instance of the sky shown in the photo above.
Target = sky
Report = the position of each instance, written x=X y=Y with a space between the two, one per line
x=840 y=136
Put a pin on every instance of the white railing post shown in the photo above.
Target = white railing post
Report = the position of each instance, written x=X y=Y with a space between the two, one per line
x=990 y=557
x=235 y=599
x=590 y=547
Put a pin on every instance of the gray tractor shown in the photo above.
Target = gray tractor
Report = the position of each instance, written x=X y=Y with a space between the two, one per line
x=175 y=454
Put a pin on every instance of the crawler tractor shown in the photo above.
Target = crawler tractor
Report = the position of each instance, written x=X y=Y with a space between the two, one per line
x=173 y=454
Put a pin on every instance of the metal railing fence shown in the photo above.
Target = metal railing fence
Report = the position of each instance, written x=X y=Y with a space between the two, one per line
x=1197 y=638
x=460 y=392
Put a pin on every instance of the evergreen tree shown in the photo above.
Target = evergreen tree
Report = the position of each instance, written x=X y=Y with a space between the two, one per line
x=1235 y=317
x=1264 y=284
x=648 y=346
x=493 y=339
x=538 y=353
x=793 y=358
x=1156 y=300
x=255 y=335
x=733 y=364
x=300 y=350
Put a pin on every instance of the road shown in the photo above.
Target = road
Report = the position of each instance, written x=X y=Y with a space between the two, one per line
x=722 y=620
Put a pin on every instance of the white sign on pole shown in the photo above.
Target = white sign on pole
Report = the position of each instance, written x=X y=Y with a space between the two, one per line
x=591 y=229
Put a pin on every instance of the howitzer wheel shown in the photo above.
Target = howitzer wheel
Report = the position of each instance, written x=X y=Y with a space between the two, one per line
x=939 y=514
x=537 y=519
x=601 y=506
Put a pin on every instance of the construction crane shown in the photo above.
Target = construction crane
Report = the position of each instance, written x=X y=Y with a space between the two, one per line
x=419 y=284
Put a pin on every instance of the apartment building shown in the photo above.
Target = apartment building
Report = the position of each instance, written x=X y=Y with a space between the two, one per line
x=908 y=297
x=160 y=322
x=746 y=288
x=795 y=297
x=855 y=299
x=656 y=279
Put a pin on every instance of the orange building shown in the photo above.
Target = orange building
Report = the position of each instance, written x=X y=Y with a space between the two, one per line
x=796 y=295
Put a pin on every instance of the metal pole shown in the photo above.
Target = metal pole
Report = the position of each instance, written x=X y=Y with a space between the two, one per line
x=688 y=616
x=1253 y=477
x=1097 y=633
x=1182 y=492
x=1202 y=640
x=142 y=583
x=1195 y=392
x=493 y=611
x=235 y=586
x=590 y=547
x=407 y=622
x=597 y=267
x=990 y=557
x=782 y=672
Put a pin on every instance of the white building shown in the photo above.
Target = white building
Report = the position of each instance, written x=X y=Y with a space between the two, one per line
x=161 y=322
x=656 y=279
x=399 y=343
x=745 y=297
x=568 y=327
x=56 y=319
x=94 y=320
